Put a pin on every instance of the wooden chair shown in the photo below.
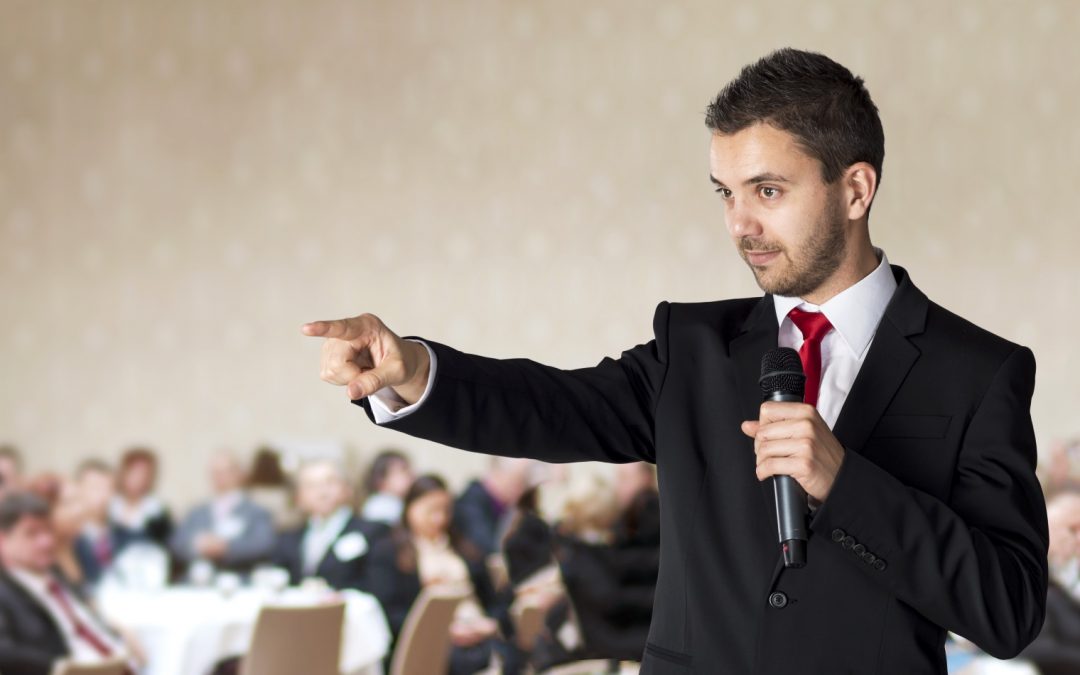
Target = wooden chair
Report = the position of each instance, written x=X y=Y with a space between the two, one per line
x=110 y=667
x=588 y=667
x=290 y=640
x=423 y=647
x=528 y=624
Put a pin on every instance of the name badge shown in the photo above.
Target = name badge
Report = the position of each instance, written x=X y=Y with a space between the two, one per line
x=350 y=547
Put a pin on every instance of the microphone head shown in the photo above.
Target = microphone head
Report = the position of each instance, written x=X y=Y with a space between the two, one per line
x=782 y=373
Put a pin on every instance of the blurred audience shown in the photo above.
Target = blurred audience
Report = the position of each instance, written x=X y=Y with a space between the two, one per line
x=426 y=551
x=42 y=617
x=11 y=469
x=135 y=512
x=230 y=531
x=97 y=543
x=333 y=544
x=484 y=510
x=268 y=486
x=385 y=485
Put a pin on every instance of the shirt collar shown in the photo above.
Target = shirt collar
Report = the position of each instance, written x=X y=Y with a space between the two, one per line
x=335 y=522
x=856 y=311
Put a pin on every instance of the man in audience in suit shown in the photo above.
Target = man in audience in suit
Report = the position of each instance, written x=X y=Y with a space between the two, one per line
x=98 y=543
x=42 y=619
x=333 y=544
x=914 y=442
x=482 y=512
x=230 y=531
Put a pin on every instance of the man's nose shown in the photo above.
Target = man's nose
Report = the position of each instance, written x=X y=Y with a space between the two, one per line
x=742 y=220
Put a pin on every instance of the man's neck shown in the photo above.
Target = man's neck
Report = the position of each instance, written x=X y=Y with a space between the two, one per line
x=847 y=276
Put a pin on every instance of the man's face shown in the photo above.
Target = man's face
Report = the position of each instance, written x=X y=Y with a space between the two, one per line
x=96 y=489
x=321 y=490
x=787 y=224
x=226 y=474
x=30 y=545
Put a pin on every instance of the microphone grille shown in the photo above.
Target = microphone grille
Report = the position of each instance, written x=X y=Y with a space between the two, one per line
x=781 y=370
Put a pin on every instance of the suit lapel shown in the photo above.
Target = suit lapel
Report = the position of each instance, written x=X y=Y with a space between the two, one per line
x=887 y=364
x=759 y=335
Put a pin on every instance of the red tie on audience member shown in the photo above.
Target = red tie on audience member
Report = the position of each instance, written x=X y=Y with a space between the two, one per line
x=81 y=629
x=814 y=326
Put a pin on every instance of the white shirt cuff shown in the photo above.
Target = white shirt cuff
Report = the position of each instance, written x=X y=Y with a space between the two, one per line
x=387 y=406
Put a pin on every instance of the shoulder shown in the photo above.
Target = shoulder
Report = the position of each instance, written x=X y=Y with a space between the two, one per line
x=968 y=345
x=676 y=321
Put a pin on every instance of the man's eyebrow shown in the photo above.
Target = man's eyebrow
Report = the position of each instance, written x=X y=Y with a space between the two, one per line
x=760 y=178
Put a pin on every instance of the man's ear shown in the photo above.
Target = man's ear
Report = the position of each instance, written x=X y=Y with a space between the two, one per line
x=860 y=185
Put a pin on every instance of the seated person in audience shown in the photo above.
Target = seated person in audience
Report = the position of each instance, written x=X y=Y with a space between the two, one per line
x=386 y=483
x=270 y=487
x=425 y=551
x=98 y=542
x=42 y=618
x=1056 y=651
x=333 y=544
x=11 y=468
x=637 y=531
x=230 y=531
x=610 y=607
x=485 y=508
x=135 y=512
x=67 y=517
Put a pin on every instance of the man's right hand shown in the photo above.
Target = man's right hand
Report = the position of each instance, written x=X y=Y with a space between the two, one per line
x=364 y=355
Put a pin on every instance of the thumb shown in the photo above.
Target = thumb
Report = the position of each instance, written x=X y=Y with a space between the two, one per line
x=367 y=383
x=750 y=428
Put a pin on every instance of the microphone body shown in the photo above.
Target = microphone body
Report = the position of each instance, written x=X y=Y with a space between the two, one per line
x=782 y=379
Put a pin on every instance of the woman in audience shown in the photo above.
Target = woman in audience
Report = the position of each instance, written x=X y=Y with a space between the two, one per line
x=269 y=486
x=387 y=481
x=135 y=513
x=423 y=552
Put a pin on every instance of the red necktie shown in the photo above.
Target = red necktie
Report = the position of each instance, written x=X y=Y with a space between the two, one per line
x=814 y=326
x=81 y=629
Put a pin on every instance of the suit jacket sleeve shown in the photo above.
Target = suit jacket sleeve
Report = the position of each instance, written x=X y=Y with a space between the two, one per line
x=257 y=541
x=976 y=564
x=19 y=658
x=521 y=408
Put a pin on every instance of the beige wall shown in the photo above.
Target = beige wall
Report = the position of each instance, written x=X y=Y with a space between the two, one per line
x=183 y=183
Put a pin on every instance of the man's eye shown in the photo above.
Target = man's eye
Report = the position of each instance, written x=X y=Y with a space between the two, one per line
x=769 y=192
x=724 y=193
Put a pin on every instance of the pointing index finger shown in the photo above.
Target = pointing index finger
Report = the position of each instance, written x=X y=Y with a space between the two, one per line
x=329 y=329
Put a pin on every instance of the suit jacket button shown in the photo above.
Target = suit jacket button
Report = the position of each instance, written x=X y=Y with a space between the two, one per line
x=778 y=600
x=859 y=550
x=848 y=541
x=869 y=558
x=880 y=565
x=838 y=535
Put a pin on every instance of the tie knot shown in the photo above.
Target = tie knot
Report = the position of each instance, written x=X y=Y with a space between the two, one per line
x=813 y=325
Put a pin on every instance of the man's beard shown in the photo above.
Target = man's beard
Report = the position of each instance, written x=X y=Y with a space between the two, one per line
x=818 y=259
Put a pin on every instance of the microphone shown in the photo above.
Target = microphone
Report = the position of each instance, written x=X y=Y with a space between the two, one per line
x=782 y=379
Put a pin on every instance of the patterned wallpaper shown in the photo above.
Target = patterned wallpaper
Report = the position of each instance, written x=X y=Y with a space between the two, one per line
x=182 y=184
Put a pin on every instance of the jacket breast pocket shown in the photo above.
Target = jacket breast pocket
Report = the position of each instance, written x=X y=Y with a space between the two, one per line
x=660 y=660
x=912 y=426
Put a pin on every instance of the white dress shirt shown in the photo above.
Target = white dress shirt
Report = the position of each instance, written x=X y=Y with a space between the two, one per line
x=319 y=536
x=854 y=313
x=80 y=651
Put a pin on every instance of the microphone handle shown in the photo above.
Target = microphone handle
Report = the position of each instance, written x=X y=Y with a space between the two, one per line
x=790 y=506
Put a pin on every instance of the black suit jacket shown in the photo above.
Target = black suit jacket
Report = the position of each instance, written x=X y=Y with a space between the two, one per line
x=30 y=641
x=935 y=521
x=339 y=574
x=476 y=517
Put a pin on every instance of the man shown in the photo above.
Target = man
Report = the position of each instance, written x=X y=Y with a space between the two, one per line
x=915 y=445
x=98 y=542
x=230 y=532
x=483 y=510
x=42 y=620
x=334 y=543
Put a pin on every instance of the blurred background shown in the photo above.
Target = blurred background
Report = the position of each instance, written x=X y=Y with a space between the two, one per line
x=183 y=184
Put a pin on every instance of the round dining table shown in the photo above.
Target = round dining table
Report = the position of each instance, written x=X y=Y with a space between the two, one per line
x=187 y=630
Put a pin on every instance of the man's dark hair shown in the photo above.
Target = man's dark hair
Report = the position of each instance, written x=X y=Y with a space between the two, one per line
x=818 y=101
x=11 y=452
x=18 y=505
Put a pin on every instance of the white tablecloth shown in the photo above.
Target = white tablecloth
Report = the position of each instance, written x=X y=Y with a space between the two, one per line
x=185 y=631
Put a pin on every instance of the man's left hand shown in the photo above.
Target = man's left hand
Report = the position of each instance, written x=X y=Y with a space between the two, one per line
x=791 y=439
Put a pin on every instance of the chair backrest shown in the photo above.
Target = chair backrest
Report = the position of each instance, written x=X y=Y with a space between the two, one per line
x=423 y=647
x=290 y=640
x=110 y=667
x=589 y=667
x=528 y=624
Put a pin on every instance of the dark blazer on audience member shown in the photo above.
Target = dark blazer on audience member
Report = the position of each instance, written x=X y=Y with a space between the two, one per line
x=255 y=544
x=93 y=568
x=477 y=516
x=30 y=641
x=935 y=522
x=338 y=573
x=1057 y=649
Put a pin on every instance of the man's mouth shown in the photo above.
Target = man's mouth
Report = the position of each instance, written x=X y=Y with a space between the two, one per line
x=758 y=258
